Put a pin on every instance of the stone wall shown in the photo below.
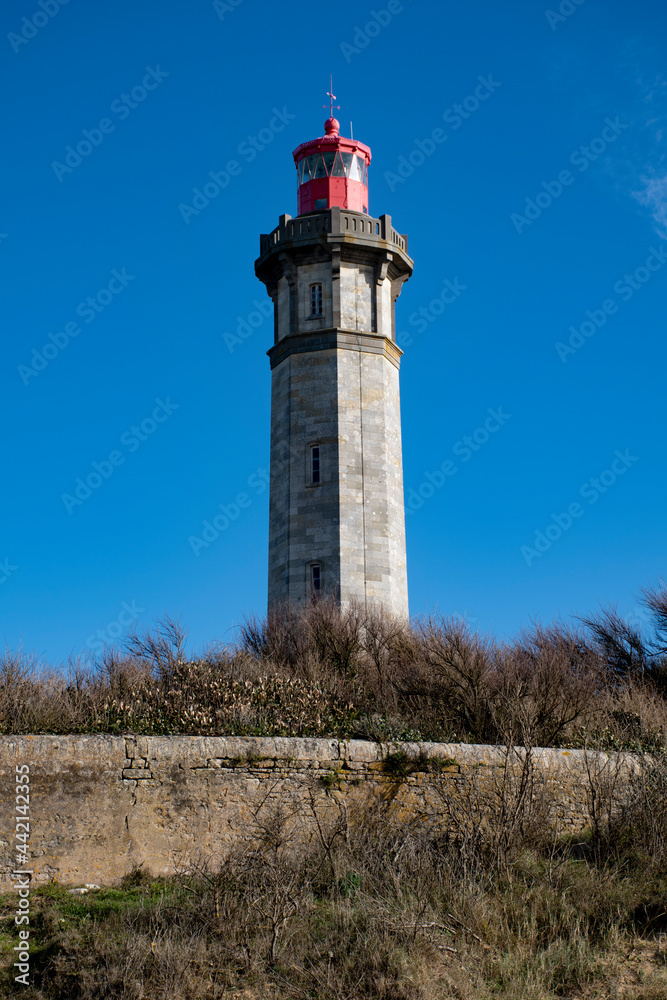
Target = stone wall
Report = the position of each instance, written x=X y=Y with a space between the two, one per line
x=100 y=805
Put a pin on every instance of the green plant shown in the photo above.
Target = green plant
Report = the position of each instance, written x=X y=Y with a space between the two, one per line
x=438 y=764
x=332 y=779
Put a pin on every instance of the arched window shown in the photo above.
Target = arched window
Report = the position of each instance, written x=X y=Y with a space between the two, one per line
x=315 y=300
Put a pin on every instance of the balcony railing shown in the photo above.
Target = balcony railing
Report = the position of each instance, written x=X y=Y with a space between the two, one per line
x=352 y=224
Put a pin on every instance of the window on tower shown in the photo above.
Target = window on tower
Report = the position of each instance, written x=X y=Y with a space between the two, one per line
x=315 y=468
x=309 y=169
x=315 y=300
x=338 y=169
x=315 y=578
x=320 y=169
x=356 y=174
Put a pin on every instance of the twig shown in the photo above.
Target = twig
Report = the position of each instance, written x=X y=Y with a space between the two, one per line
x=456 y=920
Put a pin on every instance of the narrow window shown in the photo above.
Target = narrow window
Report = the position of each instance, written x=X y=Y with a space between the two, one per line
x=315 y=300
x=329 y=162
x=320 y=169
x=315 y=471
x=309 y=169
x=315 y=578
x=338 y=169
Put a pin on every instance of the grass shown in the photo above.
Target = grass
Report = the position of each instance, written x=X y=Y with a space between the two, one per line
x=400 y=763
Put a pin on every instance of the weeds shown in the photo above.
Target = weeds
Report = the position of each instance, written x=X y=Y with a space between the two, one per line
x=366 y=906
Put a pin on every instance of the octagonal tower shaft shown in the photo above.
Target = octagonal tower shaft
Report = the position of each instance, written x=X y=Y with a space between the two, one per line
x=336 y=495
x=337 y=521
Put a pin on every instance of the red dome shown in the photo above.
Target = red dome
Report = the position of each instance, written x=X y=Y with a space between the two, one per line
x=332 y=126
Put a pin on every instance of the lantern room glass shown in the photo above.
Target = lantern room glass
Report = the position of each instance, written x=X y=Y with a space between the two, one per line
x=337 y=164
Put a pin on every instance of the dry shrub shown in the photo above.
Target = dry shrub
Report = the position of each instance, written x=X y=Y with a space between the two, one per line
x=547 y=681
x=492 y=823
x=34 y=698
x=632 y=715
x=341 y=913
x=629 y=649
x=639 y=825
x=161 y=648
x=532 y=691
x=447 y=665
x=279 y=638
x=621 y=645
x=322 y=671
x=655 y=600
x=301 y=640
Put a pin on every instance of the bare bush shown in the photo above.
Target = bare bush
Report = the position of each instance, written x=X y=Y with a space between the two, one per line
x=629 y=649
x=322 y=671
x=160 y=648
x=454 y=668
x=622 y=646
x=491 y=825
x=279 y=638
x=381 y=639
x=321 y=633
x=655 y=600
x=631 y=716
x=635 y=815
x=546 y=682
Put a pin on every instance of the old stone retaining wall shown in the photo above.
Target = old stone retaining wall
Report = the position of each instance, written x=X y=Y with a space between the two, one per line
x=100 y=805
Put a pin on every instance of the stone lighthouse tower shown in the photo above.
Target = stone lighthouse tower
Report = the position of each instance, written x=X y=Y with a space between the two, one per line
x=334 y=273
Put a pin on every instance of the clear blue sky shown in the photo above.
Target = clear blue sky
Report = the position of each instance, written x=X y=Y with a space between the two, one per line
x=171 y=92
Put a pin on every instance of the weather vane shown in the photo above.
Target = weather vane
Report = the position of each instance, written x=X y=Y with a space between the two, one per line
x=332 y=96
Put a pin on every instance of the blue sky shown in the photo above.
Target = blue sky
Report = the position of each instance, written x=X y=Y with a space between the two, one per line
x=522 y=149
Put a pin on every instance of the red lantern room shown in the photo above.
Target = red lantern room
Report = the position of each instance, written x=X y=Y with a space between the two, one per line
x=332 y=171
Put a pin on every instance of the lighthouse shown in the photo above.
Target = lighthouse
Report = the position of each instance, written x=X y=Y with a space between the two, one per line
x=334 y=273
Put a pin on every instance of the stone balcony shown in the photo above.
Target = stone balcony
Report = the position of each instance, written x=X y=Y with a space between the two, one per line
x=333 y=223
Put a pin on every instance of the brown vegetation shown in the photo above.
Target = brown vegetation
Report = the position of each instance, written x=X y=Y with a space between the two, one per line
x=317 y=671
x=482 y=902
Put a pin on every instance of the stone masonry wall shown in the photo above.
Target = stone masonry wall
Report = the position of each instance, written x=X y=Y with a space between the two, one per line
x=372 y=520
x=100 y=805
x=335 y=386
